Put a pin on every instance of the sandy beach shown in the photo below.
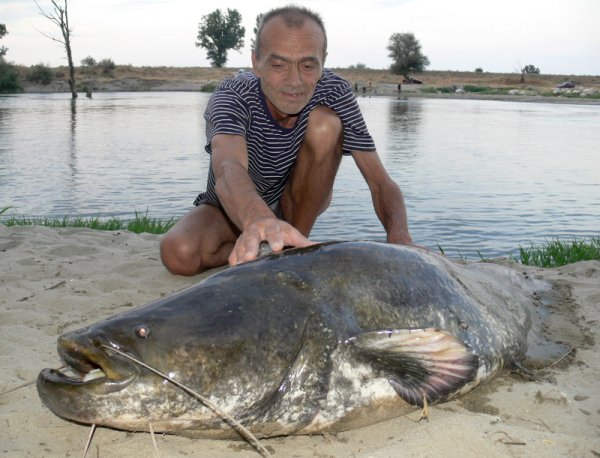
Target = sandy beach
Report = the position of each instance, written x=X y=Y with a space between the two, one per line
x=55 y=280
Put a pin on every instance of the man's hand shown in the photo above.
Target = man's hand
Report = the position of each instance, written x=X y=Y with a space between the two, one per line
x=400 y=237
x=276 y=232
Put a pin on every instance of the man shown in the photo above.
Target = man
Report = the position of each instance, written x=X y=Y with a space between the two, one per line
x=276 y=137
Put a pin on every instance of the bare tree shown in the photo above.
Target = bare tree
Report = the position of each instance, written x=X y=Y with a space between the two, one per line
x=60 y=17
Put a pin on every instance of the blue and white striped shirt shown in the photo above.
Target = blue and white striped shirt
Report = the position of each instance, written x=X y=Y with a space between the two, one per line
x=238 y=107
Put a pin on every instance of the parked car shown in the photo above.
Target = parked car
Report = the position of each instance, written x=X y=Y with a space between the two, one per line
x=409 y=80
x=566 y=85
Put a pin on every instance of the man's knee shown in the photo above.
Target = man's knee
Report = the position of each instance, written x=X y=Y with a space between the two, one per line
x=324 y=128
x=178 y=255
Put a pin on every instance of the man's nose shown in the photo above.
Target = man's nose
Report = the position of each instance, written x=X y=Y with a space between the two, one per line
x=293 y=76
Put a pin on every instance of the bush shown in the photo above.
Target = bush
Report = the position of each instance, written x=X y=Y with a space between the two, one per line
x=108 y=66
x=39 y=73
x=89 y=61
x=9 y=80
x=479 y=70
x=471 y=88
x=209 y=87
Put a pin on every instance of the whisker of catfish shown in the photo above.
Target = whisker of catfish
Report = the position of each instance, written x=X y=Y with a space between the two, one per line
x=243 y=431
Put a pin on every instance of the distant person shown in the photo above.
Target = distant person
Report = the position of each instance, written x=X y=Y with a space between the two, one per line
x=276 y=138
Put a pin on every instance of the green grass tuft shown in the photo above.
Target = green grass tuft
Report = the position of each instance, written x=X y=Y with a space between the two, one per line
x=556 y=253
x=141 y=223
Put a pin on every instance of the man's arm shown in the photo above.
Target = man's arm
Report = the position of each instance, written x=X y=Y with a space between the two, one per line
x=387 y=197
x=243 y=205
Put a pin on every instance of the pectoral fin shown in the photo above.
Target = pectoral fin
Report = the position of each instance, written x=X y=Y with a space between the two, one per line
x=419 y=363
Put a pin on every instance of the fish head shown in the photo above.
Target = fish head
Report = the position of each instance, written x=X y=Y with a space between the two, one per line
x=98 y=385
x=228 y=353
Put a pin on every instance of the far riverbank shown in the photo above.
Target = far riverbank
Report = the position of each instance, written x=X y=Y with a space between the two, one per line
x=367 y=82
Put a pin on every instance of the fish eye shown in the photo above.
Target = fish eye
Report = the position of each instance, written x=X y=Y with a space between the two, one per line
x=142 y=331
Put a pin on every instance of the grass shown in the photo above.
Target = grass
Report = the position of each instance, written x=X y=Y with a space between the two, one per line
x=553 y=253
x=139 y=224
x=556 y=253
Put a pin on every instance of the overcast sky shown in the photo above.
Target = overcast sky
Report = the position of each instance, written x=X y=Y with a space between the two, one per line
x=557 y=36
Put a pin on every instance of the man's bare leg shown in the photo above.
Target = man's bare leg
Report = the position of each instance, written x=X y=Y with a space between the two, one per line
x=201 y=240
x=310 y=186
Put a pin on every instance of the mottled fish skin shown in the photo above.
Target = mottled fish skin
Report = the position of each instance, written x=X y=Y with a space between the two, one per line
x=328 y=337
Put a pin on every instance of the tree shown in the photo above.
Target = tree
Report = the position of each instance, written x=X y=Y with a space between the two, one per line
x=60 y=17
x=255 y=30
x=530 y=69
x=89 y=61
x=8 y=75
x=3 y=49
x=218 y=33
x=405 y=51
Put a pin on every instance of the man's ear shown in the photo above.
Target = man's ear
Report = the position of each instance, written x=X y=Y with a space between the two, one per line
x=254 y=61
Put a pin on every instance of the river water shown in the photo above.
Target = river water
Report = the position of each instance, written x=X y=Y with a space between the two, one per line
x=478 y=176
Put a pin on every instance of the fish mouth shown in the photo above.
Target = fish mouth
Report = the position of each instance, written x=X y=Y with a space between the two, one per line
x=88 y=367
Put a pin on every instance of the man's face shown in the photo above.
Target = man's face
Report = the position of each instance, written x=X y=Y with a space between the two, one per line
x=290 y=65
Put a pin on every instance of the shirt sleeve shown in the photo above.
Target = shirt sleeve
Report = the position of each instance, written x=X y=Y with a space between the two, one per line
x=341 y=99
x=225 y=114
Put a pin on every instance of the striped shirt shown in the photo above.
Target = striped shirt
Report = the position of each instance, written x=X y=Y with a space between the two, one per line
x=238 y=107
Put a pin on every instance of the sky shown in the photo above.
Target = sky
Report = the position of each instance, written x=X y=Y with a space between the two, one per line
x=557 y=36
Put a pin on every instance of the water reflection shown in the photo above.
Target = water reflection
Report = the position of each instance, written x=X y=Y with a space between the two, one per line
x=477 y=175
x=404 y=120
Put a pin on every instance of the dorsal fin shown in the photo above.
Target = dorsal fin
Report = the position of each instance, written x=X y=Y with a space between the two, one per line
x=419 y=363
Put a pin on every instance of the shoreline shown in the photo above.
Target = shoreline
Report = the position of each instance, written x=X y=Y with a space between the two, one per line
x=405 y=94
x=369 y=82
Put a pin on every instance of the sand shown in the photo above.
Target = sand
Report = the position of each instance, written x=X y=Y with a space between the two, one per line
x=55 y=280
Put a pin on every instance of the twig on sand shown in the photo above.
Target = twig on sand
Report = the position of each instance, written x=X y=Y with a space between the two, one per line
x=245 y=433
x=571 y=350
x=510 y=441
x=18 y=387
x=153 y=440
x=89 y=441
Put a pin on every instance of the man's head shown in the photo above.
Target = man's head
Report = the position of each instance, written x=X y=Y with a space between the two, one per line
x=291 y=46
x=293 y=16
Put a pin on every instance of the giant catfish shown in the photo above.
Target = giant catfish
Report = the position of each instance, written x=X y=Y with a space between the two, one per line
x=324 y=338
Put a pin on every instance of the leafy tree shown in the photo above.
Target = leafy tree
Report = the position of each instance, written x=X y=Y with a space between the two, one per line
x=530 y=69
x=255 y=30
x=9 y=80
x=479 y=70
x=218 y=33
x=60 y=17
x=405 y=51
x=3 y=32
